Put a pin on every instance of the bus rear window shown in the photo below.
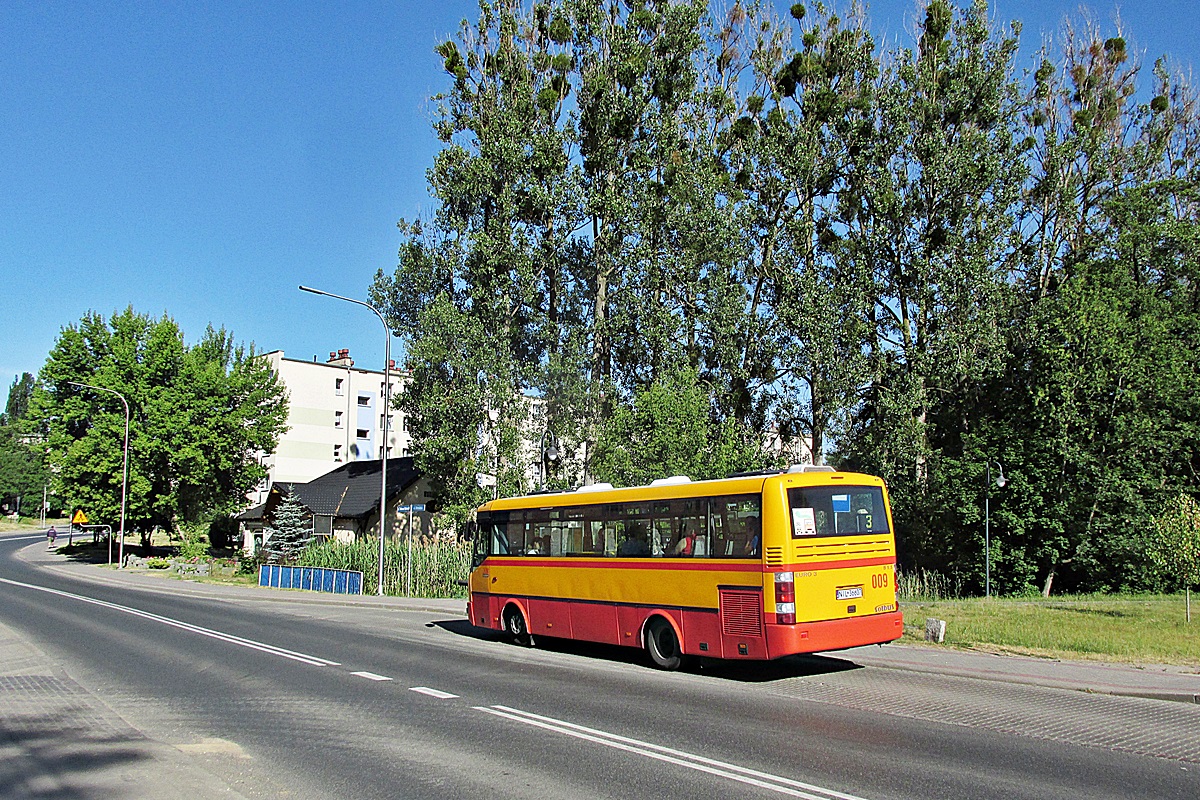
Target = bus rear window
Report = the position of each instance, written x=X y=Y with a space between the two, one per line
x=837 y=511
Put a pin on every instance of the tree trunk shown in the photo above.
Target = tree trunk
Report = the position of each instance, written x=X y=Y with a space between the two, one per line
x=1049 y=582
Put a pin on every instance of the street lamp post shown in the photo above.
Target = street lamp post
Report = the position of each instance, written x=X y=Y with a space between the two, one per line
x=1001 y=482
x=387 y=407
x=549 y=454
x=125 y=475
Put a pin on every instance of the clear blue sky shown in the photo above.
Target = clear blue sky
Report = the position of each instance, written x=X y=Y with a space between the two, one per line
x=203 y=158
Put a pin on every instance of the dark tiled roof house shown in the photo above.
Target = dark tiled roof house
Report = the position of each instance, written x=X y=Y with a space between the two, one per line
x=345 y=502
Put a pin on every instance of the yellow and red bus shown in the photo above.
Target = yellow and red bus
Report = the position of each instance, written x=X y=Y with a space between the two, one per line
x=749 y=567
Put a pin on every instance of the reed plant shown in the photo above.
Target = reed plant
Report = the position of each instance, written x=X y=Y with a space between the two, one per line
x=437 y=565
x=927 y=585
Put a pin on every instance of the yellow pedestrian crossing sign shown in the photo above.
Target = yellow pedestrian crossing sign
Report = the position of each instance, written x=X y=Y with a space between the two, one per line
x=80 y=518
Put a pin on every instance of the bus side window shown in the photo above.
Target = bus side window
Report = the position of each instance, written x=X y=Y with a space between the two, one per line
x=499 y=539
x=516 y=534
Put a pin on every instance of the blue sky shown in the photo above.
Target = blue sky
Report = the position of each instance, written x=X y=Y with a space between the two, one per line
x=202 y=159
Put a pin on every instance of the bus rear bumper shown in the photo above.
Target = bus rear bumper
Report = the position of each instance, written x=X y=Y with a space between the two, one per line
x=836 y=634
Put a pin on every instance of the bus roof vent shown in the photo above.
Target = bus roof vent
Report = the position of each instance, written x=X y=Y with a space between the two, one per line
x=674 y=480
x=810 y=468
x=596 y=487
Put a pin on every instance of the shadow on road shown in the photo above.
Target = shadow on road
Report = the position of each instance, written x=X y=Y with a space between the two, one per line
x=741 y=671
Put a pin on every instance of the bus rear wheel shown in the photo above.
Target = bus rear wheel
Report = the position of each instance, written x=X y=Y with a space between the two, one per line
x=663 y=645
x=514 y=625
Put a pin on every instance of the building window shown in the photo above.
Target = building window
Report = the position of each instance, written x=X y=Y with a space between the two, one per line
x=404 y=422
x=364 y=399
x=337 y=452
x=363 y=433
x=337 y=419
x=339 y=387
x=390 y=420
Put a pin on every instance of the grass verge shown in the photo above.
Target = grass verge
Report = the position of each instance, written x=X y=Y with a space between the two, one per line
x=1125 y=628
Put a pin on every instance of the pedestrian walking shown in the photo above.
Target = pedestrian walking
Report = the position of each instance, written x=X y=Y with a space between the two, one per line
x=51 y=535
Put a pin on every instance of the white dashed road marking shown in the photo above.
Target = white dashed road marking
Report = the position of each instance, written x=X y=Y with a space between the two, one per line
x=763 y=780
x=432 y=692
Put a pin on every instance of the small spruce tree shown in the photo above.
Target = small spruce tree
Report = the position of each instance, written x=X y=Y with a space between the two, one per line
x=292 y=529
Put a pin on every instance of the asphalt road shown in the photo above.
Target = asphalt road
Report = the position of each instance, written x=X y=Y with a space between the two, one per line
x=304 y=700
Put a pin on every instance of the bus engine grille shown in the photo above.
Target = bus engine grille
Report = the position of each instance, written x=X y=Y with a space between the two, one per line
x=741 y=612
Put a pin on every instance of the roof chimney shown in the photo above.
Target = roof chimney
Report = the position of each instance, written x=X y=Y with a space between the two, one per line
x=340 y=358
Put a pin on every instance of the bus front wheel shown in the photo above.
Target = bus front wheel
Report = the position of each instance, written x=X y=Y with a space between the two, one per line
x=514 y=625
x=663 y=645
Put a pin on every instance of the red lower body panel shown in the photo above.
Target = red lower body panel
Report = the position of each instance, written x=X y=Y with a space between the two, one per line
x=700 y=631
x=837 y=634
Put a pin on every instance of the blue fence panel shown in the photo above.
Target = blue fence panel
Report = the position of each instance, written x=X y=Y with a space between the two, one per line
x=315 y=579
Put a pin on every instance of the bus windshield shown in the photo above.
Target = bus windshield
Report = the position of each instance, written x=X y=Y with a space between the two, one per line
x=837 y=511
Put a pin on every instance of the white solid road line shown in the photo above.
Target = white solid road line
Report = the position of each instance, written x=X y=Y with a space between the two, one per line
x=764 y=780
x=315 y=661
x=438 y=693
x=371 y=676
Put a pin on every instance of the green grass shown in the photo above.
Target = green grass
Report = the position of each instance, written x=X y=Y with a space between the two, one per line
x=1122 y=628
x=31 y=524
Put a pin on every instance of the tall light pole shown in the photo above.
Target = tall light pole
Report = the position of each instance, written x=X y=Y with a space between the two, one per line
x=1001 y=482
x=387 y=407
x=549 y=455
x=125 y=476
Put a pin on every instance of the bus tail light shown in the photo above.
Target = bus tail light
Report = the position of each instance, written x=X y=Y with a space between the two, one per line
x=785 y=598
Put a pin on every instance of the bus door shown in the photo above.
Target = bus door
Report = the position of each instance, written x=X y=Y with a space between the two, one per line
x=735 y=525
x=491 y=539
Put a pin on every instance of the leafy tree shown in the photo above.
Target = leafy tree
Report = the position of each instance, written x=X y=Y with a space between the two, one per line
x=667 y=431
x=291 y=529
x=930 y=211
x=22 y=473
x=924 y=260
x=1173 y=546
x=200 y=418
x=484 y=294
x=223 y=532
x=18 y=400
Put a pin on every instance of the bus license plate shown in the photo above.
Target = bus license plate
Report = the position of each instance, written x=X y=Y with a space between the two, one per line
x=849 y=594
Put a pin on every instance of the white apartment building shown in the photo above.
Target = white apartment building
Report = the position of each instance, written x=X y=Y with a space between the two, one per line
x=335 y=415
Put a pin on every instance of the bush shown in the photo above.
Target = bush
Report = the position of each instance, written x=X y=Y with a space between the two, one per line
x=192 y=544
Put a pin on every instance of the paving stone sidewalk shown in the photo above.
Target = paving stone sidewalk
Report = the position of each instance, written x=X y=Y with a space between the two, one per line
x=57 y=740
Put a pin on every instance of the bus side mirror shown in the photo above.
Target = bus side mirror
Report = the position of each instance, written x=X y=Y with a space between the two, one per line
x=468 y=530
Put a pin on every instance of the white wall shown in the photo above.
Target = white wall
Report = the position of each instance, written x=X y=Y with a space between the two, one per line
x=325 y=419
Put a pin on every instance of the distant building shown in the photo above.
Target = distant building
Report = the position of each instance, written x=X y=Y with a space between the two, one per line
x=335 y=416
